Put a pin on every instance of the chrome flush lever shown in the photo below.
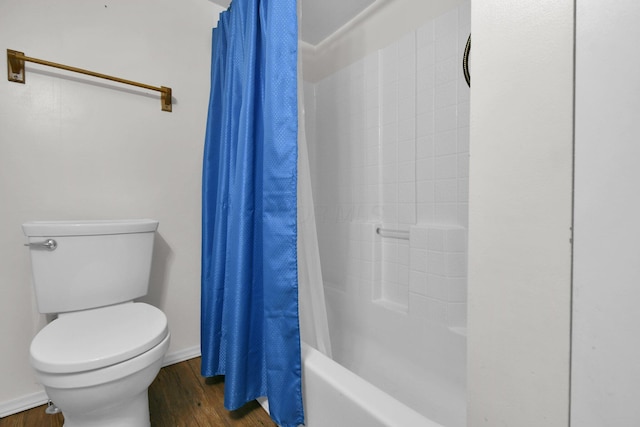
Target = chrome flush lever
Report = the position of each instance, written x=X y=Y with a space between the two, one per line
x=48 y=244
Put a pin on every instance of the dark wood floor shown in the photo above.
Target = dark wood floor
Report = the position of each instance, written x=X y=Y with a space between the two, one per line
x=179 y=397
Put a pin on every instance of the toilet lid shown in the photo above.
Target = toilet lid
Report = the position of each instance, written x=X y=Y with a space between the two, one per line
x=97 y=338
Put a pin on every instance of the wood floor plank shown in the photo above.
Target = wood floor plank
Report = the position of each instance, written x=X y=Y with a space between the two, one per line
x=179 y=397
x=33 y=417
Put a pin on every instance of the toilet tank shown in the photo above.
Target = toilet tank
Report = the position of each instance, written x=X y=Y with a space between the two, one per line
x=94 y=263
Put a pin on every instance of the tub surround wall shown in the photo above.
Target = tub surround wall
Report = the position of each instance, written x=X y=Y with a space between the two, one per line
x=73 y=147
x=390 y=149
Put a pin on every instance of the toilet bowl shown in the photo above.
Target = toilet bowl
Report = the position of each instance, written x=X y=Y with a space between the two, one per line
x=97 y=359
x=96 y=365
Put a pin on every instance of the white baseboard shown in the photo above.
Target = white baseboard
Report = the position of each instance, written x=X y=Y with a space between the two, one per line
x=181 y=355
x=38 y=398
x=23 y=403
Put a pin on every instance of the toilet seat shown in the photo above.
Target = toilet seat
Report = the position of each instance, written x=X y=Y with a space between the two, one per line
x=97 y=338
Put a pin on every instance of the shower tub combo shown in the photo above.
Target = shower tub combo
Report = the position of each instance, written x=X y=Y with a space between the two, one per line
x=389 y=154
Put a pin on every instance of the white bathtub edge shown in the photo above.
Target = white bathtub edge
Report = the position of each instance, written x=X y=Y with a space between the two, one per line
x=348 y=386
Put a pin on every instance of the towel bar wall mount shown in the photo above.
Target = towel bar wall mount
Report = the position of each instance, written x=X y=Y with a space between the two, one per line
x=16 y=73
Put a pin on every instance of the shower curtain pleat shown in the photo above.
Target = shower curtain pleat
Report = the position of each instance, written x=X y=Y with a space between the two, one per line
x=314 y=325
x=249 y=319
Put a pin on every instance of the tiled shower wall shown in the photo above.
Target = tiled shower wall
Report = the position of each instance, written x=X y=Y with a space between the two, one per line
x=389 y=148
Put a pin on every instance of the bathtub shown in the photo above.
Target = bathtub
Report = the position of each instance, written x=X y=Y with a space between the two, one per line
x=336 y=397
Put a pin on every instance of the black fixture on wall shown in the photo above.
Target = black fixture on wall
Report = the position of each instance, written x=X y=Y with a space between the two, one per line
x=465 y=61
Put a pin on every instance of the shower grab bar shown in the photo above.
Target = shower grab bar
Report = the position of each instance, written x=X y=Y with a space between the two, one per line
x=392 y=234
x=16 y=73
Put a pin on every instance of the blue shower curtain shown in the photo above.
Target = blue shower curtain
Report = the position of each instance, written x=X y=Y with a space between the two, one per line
x=250 y=328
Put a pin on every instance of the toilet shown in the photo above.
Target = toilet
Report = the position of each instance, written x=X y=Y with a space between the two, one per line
x=97 y=359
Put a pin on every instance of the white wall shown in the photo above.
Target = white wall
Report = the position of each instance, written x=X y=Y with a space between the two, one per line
x=520 y=213
x=74 y=147
x=606 y=349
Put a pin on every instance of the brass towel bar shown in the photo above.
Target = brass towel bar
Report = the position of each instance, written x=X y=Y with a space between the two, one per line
x=16 y=73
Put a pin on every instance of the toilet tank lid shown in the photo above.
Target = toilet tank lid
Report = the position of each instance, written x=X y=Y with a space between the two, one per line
x=88 y=227
x=97 y=338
